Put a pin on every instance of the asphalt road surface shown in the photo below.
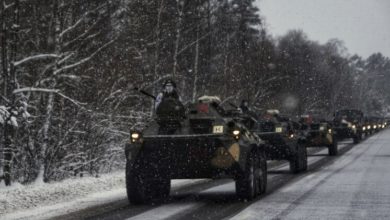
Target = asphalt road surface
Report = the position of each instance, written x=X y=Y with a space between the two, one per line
x=353 y=185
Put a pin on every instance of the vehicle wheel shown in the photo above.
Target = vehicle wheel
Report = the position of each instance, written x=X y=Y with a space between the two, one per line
x=263 y=175
x=294 y=167
x=303 y=158
x=141 y=190
x=333 y=148
x=357 y=138
x=299 y=162
x=252 y=182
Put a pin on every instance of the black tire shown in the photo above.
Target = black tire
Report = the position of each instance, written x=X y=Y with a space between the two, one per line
x=141 y=190
x=357 y=138
x=294 y=167
x=303 y=166
x=253 y=181
x=263 y=181
x=333 y=148
x=299 y=162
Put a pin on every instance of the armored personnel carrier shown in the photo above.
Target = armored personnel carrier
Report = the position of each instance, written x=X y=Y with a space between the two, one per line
x=349 y=123
x=367 y=128
x=205 y=141
x=284 y=139
x=319 y=133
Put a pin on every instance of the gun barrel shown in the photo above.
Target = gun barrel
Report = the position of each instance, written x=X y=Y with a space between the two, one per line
x=145 y=93
x=148 y=94
x=233 y=105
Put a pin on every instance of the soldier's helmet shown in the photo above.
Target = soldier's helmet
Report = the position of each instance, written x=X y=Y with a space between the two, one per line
x=244 y=102
x=169 y=86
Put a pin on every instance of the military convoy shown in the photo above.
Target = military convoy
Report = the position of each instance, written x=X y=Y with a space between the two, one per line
x=204 y=139
x=376 y=123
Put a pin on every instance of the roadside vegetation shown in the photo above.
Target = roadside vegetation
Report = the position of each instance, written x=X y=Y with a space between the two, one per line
x=69 y=70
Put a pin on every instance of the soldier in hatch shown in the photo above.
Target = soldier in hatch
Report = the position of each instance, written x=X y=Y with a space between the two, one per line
x=244 y=106
x=169 y=109
x=169 y=91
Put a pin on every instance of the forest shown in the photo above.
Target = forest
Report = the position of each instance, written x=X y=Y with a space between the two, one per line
x=69 y=70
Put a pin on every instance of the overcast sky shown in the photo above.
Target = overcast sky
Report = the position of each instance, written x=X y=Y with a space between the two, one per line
x=363 y=25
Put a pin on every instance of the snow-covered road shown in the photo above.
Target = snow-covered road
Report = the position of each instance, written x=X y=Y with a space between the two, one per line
x=353 y=185
x=356 y=186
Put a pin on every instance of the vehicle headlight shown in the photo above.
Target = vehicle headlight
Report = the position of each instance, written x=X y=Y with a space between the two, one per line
x=369 y=127
x=236 y=132
x=329 y=131
x=374 y=126
x=364 y=128
x=322 y=128
x=135 y=136
x=353 y=126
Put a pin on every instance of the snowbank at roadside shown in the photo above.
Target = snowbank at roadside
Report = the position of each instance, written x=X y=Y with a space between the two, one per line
x=20 y=197
x=47 y=200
